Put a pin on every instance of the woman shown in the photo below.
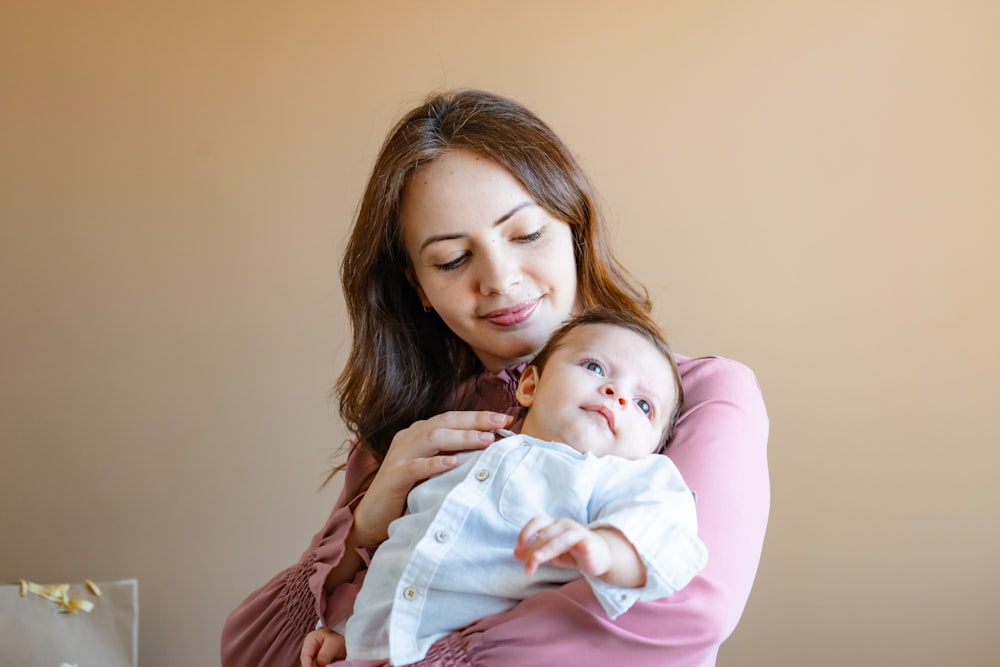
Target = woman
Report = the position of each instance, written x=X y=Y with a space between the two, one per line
x=477 y=236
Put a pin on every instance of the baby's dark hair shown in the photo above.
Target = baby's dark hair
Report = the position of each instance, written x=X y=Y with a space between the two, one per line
x=634 y=322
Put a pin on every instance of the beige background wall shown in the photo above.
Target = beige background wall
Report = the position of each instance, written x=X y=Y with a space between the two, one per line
x=813 y=188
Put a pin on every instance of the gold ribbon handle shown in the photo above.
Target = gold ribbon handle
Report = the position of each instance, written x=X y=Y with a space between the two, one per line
x=59 y=594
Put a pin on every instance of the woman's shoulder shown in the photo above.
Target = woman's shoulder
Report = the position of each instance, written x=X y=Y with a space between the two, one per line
x=721 y=397
x=716 y=377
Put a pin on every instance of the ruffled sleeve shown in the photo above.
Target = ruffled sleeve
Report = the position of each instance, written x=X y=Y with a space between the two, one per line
x=268 y=627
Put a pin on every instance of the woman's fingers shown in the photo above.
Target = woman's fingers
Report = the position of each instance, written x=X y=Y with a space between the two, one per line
x=418 y=470
x=425 y=449
x=448 y=432
x=414 y=453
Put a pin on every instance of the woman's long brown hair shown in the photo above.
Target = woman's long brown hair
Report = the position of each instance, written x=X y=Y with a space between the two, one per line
x=405 y=364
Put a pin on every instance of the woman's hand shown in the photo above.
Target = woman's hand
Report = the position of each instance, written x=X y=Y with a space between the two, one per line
x=425 y=449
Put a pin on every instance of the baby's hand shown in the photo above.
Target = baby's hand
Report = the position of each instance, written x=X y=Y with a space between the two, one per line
x=321 y=647
x=562 y=542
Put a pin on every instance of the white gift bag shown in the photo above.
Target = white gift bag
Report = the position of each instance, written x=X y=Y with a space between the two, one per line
x=70 y=625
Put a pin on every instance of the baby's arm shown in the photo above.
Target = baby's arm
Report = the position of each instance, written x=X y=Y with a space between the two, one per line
x=601 y=552
x=321 y=647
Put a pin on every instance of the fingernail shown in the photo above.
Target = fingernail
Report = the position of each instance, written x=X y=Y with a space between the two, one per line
x=486 y=438
x=449 y=460
x=499 y=419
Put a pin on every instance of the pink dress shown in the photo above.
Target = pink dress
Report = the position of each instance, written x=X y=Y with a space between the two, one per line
x=720 y=448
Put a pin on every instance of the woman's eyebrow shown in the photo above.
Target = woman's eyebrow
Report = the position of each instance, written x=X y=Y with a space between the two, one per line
x=509 y=214
x=499 y=221
x=439 y=237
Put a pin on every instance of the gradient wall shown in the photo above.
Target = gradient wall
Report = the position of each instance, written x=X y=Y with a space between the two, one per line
x=811 y=188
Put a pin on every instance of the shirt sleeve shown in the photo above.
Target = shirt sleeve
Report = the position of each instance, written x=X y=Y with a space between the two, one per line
x=648 y=502
x=268 y=627
x=720 y=448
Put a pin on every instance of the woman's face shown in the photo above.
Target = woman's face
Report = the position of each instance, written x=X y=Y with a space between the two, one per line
x=496 y=266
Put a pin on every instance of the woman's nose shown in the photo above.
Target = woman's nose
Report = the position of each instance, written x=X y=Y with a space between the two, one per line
x=498 y=273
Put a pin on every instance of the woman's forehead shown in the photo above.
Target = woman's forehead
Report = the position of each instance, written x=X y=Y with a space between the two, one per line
x=458 y=190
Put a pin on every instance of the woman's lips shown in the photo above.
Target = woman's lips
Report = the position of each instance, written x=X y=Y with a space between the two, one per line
x=508 y=317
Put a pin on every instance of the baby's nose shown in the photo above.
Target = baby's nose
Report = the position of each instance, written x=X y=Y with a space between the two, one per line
x=609 y=391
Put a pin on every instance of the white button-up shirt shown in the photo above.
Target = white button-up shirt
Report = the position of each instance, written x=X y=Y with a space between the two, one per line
x=450 y=559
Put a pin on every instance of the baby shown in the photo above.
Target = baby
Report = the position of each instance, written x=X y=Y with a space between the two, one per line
x=581 y=491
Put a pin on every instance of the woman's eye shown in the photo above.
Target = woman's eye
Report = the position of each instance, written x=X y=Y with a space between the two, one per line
x=528 y=238
x=644 y=405
x=453 y=264
x=594 y=367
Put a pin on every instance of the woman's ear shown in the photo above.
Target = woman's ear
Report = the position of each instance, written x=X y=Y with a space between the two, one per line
x=411 y=278
x=526 y=387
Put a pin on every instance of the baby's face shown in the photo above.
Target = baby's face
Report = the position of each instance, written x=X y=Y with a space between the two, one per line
x=604 y=390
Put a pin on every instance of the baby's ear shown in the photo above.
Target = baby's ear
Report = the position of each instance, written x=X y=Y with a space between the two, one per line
x=526 y=387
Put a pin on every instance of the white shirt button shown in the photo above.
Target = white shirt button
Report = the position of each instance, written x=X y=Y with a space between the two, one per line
x=483 y=475
x=410 y=593
x=442 y=536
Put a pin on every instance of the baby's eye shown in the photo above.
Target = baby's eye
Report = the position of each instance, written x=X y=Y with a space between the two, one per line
x=594 y=367
x=644 y=405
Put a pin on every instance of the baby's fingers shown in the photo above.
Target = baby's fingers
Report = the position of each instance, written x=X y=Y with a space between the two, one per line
x=543 y=540
x=333 y=649
x=529 y=534
x=310 y=647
